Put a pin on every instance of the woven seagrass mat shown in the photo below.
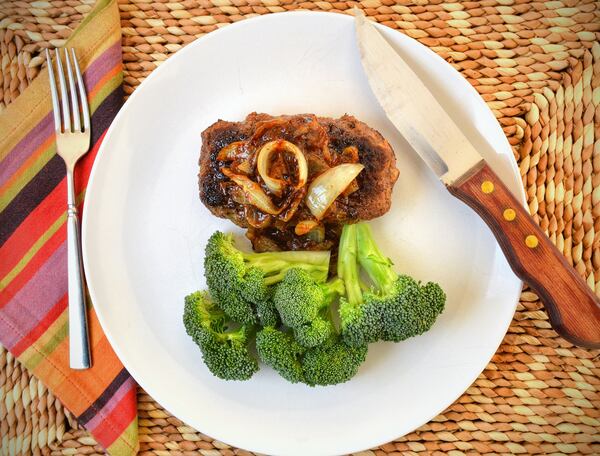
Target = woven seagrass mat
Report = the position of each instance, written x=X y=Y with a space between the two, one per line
x=537 y=65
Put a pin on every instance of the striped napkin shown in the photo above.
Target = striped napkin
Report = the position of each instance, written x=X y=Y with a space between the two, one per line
x=33 y=251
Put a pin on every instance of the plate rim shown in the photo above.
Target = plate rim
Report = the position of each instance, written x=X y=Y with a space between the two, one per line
x=521 y=196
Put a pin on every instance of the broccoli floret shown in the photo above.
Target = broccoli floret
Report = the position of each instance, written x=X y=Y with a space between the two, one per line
x=260 y=295
x=315 y=333
x=299 y=297
x=224 y=351
x=239 y=282
x=266 y=312
x=280 y=351
x=408 y=308
x=332 y=362
x=303 y=305
x=328 y=364
x=396 y=308
x=224 y=267
x=418 y=310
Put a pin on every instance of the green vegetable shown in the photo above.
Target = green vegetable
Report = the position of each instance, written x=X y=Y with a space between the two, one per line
x=240 y=282
x=286 y=294
x=328 y=364
x=332 y=362
x=224 y=350
x=266 y=312
x=303 y=305
x=313 y=334
x=395 y=308
x=280 y=351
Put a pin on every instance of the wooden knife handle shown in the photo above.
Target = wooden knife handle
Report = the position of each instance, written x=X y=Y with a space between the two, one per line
x=573 y=308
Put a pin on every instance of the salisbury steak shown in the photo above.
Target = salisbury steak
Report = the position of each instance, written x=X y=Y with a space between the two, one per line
x=272 y=201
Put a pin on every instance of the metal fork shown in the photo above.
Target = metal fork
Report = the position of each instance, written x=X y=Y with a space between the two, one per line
x=72 y=142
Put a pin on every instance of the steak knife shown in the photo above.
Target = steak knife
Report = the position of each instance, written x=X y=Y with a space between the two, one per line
x=573 y=308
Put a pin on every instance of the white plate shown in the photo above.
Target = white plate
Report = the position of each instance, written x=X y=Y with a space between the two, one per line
x=145 y=229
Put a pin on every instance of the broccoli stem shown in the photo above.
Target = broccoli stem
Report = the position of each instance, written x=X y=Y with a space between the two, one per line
x=276 y=264
x=273 y=279
x=319 y=273
x=232 y=336
x=347 y=267
x=270 y=266
x=330 y=314
x=317 y=257
x=378 y=267
x=332 y=289
x=214 y=319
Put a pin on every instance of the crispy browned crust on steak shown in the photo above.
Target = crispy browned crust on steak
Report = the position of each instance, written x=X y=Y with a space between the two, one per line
x=311 y=134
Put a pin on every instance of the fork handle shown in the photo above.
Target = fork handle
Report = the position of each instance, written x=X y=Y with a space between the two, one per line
x=79 y=347
x=573 y=308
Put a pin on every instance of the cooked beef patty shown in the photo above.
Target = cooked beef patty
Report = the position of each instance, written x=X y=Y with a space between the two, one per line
x=325 y=143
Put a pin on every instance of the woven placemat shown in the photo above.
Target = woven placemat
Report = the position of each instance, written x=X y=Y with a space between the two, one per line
x=537 y=65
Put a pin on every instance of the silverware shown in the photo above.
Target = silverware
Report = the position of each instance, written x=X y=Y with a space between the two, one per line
x=72 y=142
x=573 y=308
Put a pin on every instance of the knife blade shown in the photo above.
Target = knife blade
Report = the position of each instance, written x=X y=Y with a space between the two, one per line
x=573 y=308
x=438 y=139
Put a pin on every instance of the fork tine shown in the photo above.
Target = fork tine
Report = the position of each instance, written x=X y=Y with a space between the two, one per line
x=85 y=110
x=73 y=94
x=64 y=95
x=55 y=106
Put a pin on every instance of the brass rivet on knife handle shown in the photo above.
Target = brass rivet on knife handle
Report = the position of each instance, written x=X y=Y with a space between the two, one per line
x=531 y=241
x=487 y=187
x=573 y=308
x=509 y=214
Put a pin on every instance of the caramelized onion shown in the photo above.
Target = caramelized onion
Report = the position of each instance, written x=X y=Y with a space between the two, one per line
x=231 y=151
x=237 y=153
x=351 y=188
x=256 y=219
x=305 y=226
x=262 y=127
x=237 y=194
x=292 y=203
x=317 y=234
x=263 y=160
x=244 y=167
x=327 y=186
x=253 y=193
x=350 y=154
